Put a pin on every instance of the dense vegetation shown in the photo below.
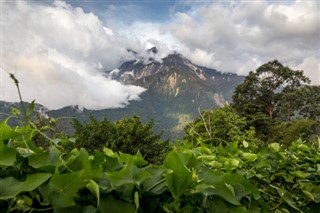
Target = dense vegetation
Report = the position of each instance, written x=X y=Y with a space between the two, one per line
x=264 y=160
x=127 y=135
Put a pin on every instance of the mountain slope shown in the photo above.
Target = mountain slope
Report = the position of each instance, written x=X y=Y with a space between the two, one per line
x=176 y=89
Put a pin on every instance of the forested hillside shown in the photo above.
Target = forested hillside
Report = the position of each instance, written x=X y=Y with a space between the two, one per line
x=261 y=153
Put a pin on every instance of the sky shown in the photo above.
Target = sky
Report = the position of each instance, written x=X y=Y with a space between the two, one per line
x=59 y=50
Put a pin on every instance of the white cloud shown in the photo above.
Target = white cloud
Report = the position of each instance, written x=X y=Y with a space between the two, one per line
x=311 y=68
x=58 y=54
x=240 y=36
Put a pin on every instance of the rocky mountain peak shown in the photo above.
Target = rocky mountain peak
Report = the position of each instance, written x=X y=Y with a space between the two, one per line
x=153 y=50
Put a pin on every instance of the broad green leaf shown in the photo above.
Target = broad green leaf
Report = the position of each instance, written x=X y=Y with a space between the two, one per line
x=275 y=147
x=6 y=132
x=10 y=187
x=82 y=162
x=156 y=184
x=63 y=187
x=7 y=155
x=249 y=156
x=137 y=159
x=249 y=188
x=128 y=177
x=50 y=158
x=180 y=178
x=218 y=185
x=110 y=204
x=94 y=189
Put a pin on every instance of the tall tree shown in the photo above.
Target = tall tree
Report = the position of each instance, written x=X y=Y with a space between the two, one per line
x=260 y=96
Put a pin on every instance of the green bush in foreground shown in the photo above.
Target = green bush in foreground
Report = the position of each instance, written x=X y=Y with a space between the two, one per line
x=202 y=178
x=125 y=135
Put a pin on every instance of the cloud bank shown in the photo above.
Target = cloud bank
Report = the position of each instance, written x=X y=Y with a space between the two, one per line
x=240 y=36
x=59 y=53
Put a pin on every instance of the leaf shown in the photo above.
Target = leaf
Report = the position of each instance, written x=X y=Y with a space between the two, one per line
x=15 y=111
x=180 y=178
x=136 y=159
x=10 y=187
x=82 y=162
x=312 y=191
x=128 y=177
x=245 y=144
x=30 y=108
x=275 y=147
x=51 y=158
x=6 y=131
x=218 y=185
x=110 y=204
x=249 y=188
x=156 y=184
x=63 y=187
x=249 y=156
x=136 y=199
x=94 y=189
x=7 y=155
x=285 y=195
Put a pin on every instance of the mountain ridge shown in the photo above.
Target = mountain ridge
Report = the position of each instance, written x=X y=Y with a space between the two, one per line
x=175 y=91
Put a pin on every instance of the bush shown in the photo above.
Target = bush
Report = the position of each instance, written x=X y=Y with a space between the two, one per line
x=126 y=135
x=217 y=126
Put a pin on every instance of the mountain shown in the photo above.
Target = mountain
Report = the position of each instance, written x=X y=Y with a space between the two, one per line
x=176 y=90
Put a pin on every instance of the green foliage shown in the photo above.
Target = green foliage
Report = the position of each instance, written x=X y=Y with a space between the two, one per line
x=302 y=102
x=286 y=132
x=265 y=96
x=237 y=177
x=126 y=135
x=219 y=126
x=204 y=177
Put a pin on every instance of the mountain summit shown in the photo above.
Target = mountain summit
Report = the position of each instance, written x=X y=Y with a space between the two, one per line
x=176 y=75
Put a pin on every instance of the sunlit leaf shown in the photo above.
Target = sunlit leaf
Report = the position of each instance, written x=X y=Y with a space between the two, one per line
x=94 y=189
x=10 y=187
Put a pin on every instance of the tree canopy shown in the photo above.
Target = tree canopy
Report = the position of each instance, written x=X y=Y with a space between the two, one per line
x=273 y=94
x=125 y=135
x=217 y=126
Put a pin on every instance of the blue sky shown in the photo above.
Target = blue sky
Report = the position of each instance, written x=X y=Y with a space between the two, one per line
x=65 y=46
x=152 y=10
